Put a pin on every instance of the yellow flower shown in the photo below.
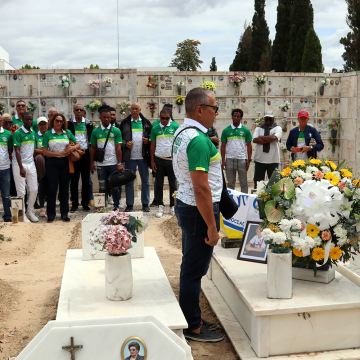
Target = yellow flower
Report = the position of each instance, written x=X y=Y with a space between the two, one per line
x=298 y=163
x=334 y=180
x=285 y=172
x=335 y=253
x=286 y=244
x=347 y=174
x=356 y=183
x=274 y=228
x=312 y=230
x=315 y=161
x=297 y=252
x=331 y=165
x=318 y=254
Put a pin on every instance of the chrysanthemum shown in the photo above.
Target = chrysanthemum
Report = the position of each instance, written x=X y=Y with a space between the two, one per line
x=298 y=163
x=335 y=253
x=298 y=253
x=334 y=180
x=318 y=254
x=274 y=228
x=312 y=230
x=347 y=174
x=319 y=175
x=285 y=172
x=331 y=165
x=326 y=235
x=315 y=161
x=286 y=244
x=298 y=181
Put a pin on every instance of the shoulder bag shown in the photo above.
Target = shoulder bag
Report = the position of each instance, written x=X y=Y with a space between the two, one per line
x=100 y=153
x=76 y=154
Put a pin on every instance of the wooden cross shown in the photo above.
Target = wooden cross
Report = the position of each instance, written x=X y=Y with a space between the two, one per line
x=72 y=348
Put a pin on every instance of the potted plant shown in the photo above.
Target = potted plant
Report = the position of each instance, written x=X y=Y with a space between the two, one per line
x=180 y=85
x=260 y=80
x=285 y=107
x=334 y=126
x=334 y=143
x=236 y=79
x=31 y=106
x=209 y=85
x=124 y=107
x=152 y=83
x=284 y=124
x=2 y=89
x=152 y=107
x=93 y=106
x=94 y=84
x=108 y=82
x=65 y=83
x=179 y=101
x=324 y=82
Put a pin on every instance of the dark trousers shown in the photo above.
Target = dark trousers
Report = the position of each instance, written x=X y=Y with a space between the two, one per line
x=196 y=259
x=57 y=170
x=261 y=169
x=81 y=167
x=103 y=173
x=12 y=183
x=164 y=167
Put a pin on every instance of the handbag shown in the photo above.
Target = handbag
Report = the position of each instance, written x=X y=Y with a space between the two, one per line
x=228 y=207
x=117 y=179
x=76 y=154
x=100 y=153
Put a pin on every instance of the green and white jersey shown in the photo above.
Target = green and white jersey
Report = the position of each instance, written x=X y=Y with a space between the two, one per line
x=26 y=140
x=80 y=134
x=193 y=150
x=301 y=143
x=6 y=142
x=137 y=139
x=56 y=142
x=98 y=138
x=236 y=139
x=17 y=121
x=38 y=140
x=163 y=136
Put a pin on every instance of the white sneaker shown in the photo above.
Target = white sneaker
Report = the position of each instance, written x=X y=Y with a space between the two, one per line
x=172 y=210
x=26 y=219
x=160 y=212
x=31 y=216
x=121 y=206
x=110 y=200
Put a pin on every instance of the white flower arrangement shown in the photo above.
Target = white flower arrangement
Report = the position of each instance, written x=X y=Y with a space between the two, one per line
x=285 y=106
x=325 y=81
x=64 y=81
x=108 y=81
x=180 y=84
x=260 y=79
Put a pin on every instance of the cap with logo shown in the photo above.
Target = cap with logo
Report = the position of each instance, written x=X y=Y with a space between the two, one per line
x=269 y=114
x=41 y=119
x=303 y=113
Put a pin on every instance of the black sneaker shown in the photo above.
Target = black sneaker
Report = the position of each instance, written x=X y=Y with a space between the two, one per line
x=73 y=209
x=65 y=218
x=205 y=335
x=211 y=325
x=86 y=208
x=129 y=208
x=146 y=208
x=154 y=203
x=36 y=205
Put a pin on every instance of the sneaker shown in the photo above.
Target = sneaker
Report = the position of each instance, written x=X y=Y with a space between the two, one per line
x=65 y=218
x=211 y=325
x=91 y=202
x=172 y=210
x=121 y=206
x=160 y=212
x=42 y=212
x=110 y=200
x=31 y=216
x=145 y=208
x=129 y=208
x=205 y=335
x=73 y=209
x=154 y=203
x=26 y=219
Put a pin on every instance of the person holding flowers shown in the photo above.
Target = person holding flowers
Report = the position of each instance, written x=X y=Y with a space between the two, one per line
x=299 y=139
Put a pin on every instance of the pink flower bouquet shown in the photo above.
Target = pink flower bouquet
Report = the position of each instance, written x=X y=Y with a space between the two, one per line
x=117 y=240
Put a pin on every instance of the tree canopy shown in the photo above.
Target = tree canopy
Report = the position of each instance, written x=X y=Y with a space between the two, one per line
x=27 y=66
x=312 y=58
x=93 y=67
x=187 y=56
x=241 y=60
x=213 y=66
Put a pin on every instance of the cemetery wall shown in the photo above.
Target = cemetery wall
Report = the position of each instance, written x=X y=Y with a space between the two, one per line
x=302 y=91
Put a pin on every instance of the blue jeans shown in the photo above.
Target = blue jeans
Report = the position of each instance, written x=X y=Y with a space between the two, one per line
x=145 y=185
x=5 y=176
x=196 y=258
x=103 y=173
x=91 y=195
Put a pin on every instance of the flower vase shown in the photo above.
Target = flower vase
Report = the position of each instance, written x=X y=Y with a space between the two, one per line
x=285 y=114
x=152 y=113
x=237 y=90
x=108 y=87
x=284 y=128
x=65 y=90
x=321 y=90
x=333 y=133
x=179 y=91
x=259 y=90
x=154 y=93
x=92 y=113
x=285 y=91
x=179 y=109
x=118 y=277
x=122 y=116
x=279 y=275
x=2 y=91
x=95 y=91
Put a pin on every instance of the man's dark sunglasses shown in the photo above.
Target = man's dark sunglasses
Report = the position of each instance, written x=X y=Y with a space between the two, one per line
x=269 y=119
x=214 y=107
x=8 y=122
x=164 y=118
x=20 y=105
x=78 y=110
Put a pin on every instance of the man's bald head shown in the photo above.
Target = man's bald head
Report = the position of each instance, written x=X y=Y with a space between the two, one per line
x=135 y=110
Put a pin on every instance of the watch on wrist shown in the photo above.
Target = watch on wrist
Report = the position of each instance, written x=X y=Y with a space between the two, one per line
x=249 y=160
x=120 y=164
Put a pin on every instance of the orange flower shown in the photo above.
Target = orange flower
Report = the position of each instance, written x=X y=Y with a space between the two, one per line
x=285 y=172
x=335 y=253
x=318 y=254
x=298 y=253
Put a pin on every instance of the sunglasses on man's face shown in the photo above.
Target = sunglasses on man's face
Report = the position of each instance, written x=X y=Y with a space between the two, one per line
x=7 y=122
x=78 y=110
x=164 y=118
x=20 y=105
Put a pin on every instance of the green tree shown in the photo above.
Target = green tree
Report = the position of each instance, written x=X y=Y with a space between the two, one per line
x=241 y=60
x=93 y=67
x=351 y=42
x=260 y=36
x=266 y=59
x=27 y=66
x=282 y=38
x=301 y=20
x=213 y=66
x=312 y=58
x=187 y=56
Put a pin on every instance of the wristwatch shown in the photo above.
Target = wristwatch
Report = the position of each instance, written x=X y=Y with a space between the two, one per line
x=311 y=147
x=120 y=164
x=249 y=160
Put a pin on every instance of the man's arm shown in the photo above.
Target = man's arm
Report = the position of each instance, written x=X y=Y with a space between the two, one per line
x=265 y=139
x=92 y=156
x=152 y=153
x=18 y=159
x=223 y=152
x=203 y=198
x=249 y=154
x=119 y=157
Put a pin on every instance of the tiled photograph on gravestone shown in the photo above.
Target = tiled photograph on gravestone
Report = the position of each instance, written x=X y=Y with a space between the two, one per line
x=334 y=87
x=332 y=110
x=16 y=85
x=304 y=103
x=166 y=85
x=48 y=82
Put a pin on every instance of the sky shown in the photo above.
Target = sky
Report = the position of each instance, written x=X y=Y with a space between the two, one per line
x=72 y=34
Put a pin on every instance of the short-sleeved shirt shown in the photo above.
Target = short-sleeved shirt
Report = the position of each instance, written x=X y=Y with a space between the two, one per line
x=80 y=134
x=193 y=150
x=26 y=141
x=57 y=143
x=236 y=139
x=301 y=143
x=163 y=136
x=98 y=138
x=273 y=156
x=137 y=139
x=17 y=121
x=6 y=143
x=258 y=243
x=38 y=140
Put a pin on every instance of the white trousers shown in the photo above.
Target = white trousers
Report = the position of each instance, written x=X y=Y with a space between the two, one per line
x=30 y=179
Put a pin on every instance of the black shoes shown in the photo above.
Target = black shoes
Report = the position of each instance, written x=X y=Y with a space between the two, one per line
x=129 y=208
x=154 y=203
x=36 y=205
x=65 y=218
x=85 y=208
x=211 y=325
x=205 y=335
x=73 y=209
x=50 y=220
x=146 y=208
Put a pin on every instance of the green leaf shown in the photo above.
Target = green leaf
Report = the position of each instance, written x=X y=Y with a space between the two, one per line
x=273 y=213
x=284 y=186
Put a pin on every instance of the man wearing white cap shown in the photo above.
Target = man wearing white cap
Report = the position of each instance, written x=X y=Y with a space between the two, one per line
x=267 y=152
x=42 y=123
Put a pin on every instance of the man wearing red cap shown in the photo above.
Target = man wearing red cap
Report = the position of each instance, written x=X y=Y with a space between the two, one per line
x=301 y=138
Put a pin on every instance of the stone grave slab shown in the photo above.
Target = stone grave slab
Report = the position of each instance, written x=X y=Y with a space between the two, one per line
x=106 y=338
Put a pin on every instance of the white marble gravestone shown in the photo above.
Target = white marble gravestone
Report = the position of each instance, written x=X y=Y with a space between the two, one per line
x=104 y=338
x=91 y=221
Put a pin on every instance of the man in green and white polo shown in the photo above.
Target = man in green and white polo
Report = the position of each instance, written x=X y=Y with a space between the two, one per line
x=196 y=163
x=17 y=119
x=236 y=145
x=161 y=138
x=23 y=164
x=113 y=155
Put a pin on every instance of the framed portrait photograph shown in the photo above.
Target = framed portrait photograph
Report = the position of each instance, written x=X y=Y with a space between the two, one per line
x=133 y=348
x=253 y=247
